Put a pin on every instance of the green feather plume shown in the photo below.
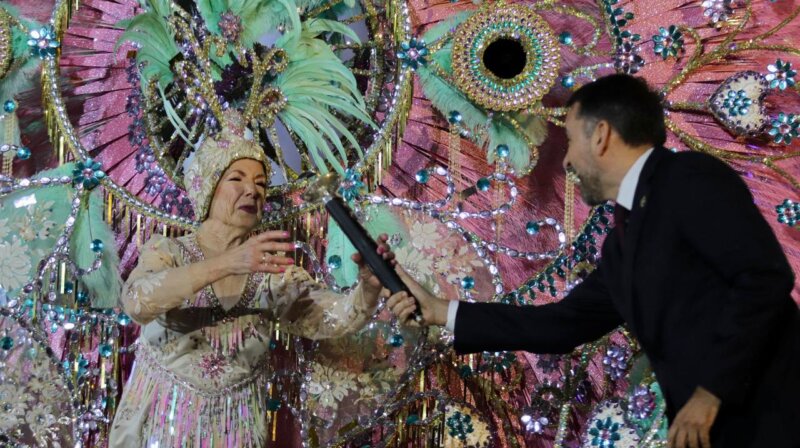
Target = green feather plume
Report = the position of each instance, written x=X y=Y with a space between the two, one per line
x=152 y=31
x=257 y=16
x=316 y=84
x=23 y=76
x=105 y=284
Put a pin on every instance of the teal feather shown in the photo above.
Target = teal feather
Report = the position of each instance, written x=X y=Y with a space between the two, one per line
x=315 y=84
x=152 y=31
x=313 y=114
x=257 y=16
x=23 y=76
x=174 y=117
x=444 y=57
x=306 y=131
x=444 y=27
x=104 y=285
x=315 y=27
x=446 y=98
x=502 y=132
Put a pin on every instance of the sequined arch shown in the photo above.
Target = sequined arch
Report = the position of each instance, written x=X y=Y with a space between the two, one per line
x=387 y=86
x=688 y=74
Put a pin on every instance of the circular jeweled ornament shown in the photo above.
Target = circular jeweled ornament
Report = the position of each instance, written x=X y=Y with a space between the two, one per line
x=505 y=58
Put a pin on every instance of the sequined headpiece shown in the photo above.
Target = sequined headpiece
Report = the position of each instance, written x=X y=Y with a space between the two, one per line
x=214 y=156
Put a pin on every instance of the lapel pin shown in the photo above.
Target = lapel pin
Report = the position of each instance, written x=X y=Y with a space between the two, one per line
x=643 y=201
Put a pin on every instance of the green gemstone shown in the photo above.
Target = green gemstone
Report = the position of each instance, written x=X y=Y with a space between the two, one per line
x=502 y=150
x=334 y=262
x=97 y=246
x=10 y=106
x=6 y=343
x=396 y=340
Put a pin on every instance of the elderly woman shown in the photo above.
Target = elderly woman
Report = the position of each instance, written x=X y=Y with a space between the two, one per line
x=208 y=304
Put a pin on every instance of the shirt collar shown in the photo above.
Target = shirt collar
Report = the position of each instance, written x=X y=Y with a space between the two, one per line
x=627 y=189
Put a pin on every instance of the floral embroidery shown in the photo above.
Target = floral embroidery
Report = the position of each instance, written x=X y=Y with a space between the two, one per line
x=465 y=427
x=425 y=235
x=608 y=428
x=417 y=263
x=40 y=418
x=14 y=264
x=149 y=283
x=604 y=433
x=35 y=223
x=330 y=385
x=4 y=228
x=453 y=266
x=213 y=365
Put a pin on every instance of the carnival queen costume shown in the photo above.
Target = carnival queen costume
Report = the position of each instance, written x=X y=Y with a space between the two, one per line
x=202 y=371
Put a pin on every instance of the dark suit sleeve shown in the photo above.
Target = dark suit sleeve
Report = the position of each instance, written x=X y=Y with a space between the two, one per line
x=717 y=216
x=584 y=315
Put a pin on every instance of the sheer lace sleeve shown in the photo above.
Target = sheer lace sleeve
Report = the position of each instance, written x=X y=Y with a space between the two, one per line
x=155 y=287
x=306 y=308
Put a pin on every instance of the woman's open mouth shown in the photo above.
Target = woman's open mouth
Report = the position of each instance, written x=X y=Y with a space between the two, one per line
x=249 y=209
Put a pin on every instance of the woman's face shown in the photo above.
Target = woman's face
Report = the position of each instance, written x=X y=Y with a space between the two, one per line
x=239 y=198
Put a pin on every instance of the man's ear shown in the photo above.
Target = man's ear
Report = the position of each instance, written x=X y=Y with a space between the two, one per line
x=601 y=138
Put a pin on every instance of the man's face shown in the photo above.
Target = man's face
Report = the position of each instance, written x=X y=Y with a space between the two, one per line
x=580 y=158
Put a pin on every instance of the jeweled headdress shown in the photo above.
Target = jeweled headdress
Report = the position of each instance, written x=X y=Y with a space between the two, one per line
x=214 y=155
x=199 y=62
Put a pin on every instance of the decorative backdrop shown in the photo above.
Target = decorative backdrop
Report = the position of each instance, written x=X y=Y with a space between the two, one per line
x=458 y=159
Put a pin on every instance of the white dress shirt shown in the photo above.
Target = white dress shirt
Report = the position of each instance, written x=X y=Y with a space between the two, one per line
x=625 y=196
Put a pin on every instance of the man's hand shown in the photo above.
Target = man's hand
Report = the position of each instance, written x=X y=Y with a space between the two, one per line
x=434 y=309
x=692 y=425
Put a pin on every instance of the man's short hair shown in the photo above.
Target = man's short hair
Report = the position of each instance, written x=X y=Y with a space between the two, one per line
x=627 y=104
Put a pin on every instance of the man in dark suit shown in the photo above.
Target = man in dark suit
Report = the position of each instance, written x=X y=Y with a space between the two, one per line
x=692 y=269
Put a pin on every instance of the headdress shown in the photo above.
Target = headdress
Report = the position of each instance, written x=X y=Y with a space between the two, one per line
x=197 y=65
x=214 y=155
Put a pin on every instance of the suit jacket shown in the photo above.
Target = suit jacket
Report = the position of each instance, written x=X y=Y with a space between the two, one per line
x=703 y=284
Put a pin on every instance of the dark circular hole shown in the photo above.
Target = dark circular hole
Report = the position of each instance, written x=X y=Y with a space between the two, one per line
x=505 y=58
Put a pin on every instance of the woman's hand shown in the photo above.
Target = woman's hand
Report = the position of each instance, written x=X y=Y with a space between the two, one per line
x=402 y=305
x=371 y=283
x=258 y=254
